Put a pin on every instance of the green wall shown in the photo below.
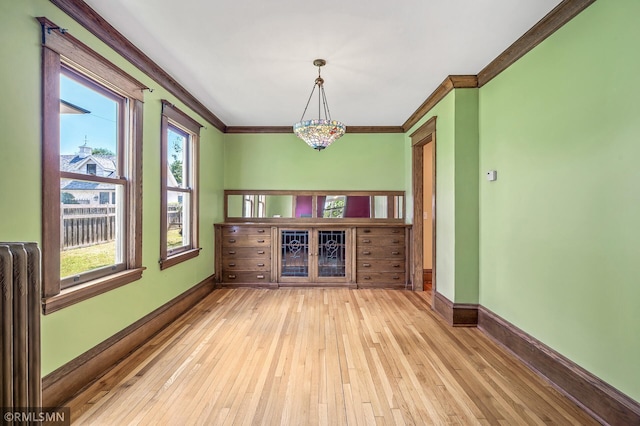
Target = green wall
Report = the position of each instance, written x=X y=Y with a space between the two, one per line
x=282 y=161
x=73 y=330
x=559 y=234
x=456 y=193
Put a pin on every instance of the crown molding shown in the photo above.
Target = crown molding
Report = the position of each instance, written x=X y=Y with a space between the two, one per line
x=449 y=83
x=548 y=25
x=99 y=27
x=289 y=129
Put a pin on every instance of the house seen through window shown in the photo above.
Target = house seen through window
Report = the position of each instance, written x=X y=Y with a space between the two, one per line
x=90 y=188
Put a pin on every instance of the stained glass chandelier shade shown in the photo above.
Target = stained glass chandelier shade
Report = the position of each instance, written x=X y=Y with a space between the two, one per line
x=321 y=132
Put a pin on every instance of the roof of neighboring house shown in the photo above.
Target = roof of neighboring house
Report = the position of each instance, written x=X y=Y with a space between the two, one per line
x=78 y=185
x=71 y=163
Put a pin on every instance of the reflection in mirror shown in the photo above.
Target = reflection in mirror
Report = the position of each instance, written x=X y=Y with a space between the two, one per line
x=333 y=206
x=398 y=207
x=380 y=204
x=279 y=206
x=234 y=206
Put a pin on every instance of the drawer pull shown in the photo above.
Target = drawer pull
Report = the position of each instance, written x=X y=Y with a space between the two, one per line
x=395 y=231
x=231 y=240
x=366 y=252
x=397 y=265
x=234 y=230
x=395 y=253
x=366 y=265
x=232 y=277
x=232 y=264
x=260 y=231
x=367 y=277
x=260 y=265
x=366 y=241
x=260 y=277
x=261 y=241
x=260 y=251
x=396 y=277
x=366 y=231
x=396 y=241
x=232 y=252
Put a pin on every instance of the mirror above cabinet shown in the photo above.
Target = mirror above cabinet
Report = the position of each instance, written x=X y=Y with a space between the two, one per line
x=305 y=206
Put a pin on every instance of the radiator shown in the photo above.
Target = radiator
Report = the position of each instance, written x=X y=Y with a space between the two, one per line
x=20 y=333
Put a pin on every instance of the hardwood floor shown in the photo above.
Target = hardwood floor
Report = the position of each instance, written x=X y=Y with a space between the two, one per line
x=320 y=356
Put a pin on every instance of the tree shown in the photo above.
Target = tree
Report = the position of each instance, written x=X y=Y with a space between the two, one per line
x=176 y=166
x=102 y=151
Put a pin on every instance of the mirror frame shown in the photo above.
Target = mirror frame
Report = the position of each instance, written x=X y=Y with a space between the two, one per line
x=391 y=206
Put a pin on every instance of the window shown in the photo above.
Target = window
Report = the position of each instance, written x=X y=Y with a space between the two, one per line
x=254 y=206
x=92 y=141
x=179 y=175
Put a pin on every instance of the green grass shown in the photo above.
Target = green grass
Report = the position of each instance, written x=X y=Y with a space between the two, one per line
x=174 y=239
x=77 y=261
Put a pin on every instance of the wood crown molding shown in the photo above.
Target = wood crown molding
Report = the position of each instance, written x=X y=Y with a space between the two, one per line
x=63 y=383
x=548 y=25
x=95 y=24
x=99 y=27
x=449 y=83
x=553 y=21
x=605 y=403
x=289 y=129
x=456 y=314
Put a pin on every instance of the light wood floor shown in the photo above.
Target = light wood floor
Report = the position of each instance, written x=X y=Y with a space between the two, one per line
x=320 y=356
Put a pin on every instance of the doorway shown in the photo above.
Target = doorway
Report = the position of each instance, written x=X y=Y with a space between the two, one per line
x=423 y=143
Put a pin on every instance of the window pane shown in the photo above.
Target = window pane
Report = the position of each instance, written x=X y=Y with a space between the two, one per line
x=176 y=150
x=177 y=220
x=91 y=234
x=88 y=128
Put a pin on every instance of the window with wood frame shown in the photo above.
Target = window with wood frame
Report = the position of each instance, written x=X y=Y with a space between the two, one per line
x=92 y=171
x=179 y=179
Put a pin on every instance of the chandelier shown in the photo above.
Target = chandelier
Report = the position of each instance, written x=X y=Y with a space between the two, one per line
x=321 y=132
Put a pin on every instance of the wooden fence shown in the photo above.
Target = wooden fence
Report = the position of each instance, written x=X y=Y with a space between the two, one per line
x=84 y=226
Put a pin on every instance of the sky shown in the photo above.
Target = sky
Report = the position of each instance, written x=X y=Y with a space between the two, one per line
x=98 y=128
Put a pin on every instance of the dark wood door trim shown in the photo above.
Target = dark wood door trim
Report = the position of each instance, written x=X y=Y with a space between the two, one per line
x=424 y=135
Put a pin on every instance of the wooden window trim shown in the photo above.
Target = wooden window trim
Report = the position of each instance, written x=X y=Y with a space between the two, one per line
x=57 y=48
x=171 y=115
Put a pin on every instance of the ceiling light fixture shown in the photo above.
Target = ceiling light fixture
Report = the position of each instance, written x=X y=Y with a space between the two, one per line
x=322 y=132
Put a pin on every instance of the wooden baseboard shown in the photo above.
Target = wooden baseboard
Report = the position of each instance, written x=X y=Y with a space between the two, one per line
x=605 y=403
x=427 y=279
x=456 y=314
x=62 y=384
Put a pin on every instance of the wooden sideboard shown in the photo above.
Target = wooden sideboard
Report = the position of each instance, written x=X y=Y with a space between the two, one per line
x=319 y=254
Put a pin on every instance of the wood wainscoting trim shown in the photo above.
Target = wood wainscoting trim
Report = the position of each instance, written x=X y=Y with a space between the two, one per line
x=456 y=314
x=62 y=384
x=605 y=403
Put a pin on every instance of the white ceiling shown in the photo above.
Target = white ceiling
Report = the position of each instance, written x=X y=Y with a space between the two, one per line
x=250 y=61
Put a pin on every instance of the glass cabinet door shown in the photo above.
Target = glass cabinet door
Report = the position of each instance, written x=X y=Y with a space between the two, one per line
x=313 y=255
x=331 y=249
x=294 y=253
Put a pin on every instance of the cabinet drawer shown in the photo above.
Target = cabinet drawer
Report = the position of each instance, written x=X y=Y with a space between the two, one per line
x=245 y=277
x=246 y=241
x=245 y=230
x=235 y=252
x=238 y=264
x=390 y=278
x=376 y=252
x=375 y=231
x=379 y=265
x=381 y=240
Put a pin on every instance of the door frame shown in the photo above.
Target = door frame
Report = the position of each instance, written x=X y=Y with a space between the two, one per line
x=424 y=135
